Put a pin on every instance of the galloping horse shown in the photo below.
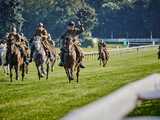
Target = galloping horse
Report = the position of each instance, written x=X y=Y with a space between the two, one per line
x=71 y=60
x=103 y=56
x=16 y=60
x=41 y=58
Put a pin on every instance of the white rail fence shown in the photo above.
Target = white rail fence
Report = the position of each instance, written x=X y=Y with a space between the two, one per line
x=117 y=51
x=119 y=104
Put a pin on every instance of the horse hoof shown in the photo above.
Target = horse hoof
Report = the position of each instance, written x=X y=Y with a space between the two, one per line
x=71 y=78
x=42 y=76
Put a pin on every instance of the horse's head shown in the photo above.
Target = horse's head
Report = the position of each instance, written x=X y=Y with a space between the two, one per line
x=37 y=43
x=69 y=44
x=13 y=48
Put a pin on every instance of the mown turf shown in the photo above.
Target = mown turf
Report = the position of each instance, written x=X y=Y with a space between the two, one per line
x=53 y=98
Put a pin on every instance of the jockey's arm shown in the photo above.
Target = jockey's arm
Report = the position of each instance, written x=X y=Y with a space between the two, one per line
x=26 y=41
x=79 y=30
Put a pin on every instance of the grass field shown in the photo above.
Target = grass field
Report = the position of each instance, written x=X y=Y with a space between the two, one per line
x=53 y=98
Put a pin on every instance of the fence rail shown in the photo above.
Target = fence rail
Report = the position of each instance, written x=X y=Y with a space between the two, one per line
x=92 y=55
x=132 y=40
x=118 y=104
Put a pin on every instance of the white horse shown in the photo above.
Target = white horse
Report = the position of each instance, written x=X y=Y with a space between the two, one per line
x=40 y=57
x=3 y=52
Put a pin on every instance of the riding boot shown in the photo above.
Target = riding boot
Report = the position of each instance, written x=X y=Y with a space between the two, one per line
x=61 y=59
x=31 y=55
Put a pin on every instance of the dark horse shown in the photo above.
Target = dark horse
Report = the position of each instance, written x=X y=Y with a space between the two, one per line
x=103 y=55
x=71 y=60
x=16 y=61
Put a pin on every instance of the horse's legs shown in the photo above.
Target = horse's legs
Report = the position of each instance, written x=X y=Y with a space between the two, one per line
x=47 y=70
x=77 y=74
x=17 y=71
x=7 y=69
x=11 y=74
x=71 y=74
x=23 y=71
x=104 y=63
x=43 y=71
x=38 y=70
x=52 y=64
x=26 y=68
x=67 y=72
x=100 y=61
x=4 y=69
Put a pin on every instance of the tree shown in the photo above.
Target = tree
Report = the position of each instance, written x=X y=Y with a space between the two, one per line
x=11 y=14
x=87 y=16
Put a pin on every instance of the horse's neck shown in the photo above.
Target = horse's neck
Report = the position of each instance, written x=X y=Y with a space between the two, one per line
x=71 y=47
x=40 y=48
x=101 y=48
x=14 y=50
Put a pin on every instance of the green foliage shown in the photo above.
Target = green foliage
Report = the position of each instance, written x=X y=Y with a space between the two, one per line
x=11 y=14
x=88 y=42
x=56 y=14
x=137 y=17
x=87 y=16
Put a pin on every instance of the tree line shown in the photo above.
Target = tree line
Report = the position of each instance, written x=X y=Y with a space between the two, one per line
x=103 y=18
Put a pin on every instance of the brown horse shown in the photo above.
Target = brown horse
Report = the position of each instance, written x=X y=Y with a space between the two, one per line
x=16 y=60
x=71 y=60
x=103 y=55
x=26 y=58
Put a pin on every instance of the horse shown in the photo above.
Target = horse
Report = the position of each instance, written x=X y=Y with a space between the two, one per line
x=16 y=60
x=71 y=60
x=41 y=58
x=52 y=58
x=26 y=59
x=3 y=52
x=103 y=56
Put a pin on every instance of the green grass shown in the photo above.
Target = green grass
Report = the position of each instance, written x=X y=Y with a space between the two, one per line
x=53 y=98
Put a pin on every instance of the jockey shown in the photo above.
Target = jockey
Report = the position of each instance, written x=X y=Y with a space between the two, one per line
x=12 y=37
x=102 y=44
x=42 y=32
x=24 y=40
x=24 y=45
x=74 y=32
x=50 y=40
